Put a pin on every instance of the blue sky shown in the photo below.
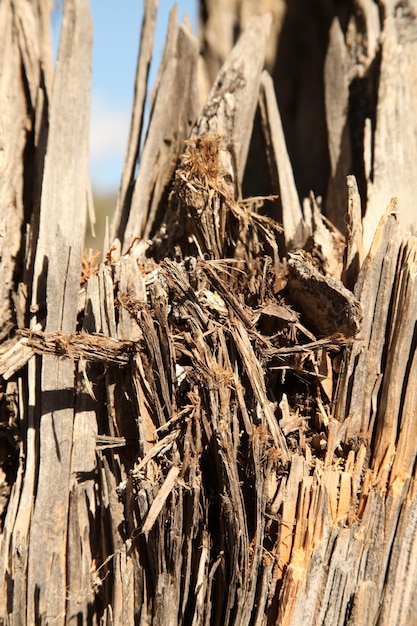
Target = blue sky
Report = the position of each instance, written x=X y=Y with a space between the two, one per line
x=117 y=25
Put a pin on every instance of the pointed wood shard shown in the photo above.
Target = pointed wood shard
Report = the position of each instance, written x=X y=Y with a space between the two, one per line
x=281 y=174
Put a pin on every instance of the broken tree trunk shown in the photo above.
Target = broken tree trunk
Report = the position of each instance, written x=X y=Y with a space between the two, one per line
x=216 y=425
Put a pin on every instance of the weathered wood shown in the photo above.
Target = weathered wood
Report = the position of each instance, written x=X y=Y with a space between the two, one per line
x=327 y=245
x=168 y=129
x=25 y=71
x=394 y=157
x=337 y=72
x=353 y=258
x=366 y=54
x=214 y=430
x=17 y=106
x=231 y=104
x=223 y=20
x=136 y=123
x=290 y=214
x=59 y=245
x=79 y=346
x=326 y=304
x=364 y=366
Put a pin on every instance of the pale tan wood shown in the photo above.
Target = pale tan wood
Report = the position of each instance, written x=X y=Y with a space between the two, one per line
x=400 y=337
x=327 y=244
x=106 y=302
x=14 y=358
x=353 y=258
x=370 y=13
x=169 y=48
x=218 y=34
x=394 y=160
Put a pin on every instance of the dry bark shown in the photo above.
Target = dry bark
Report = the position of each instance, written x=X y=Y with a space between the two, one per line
x=212 y=427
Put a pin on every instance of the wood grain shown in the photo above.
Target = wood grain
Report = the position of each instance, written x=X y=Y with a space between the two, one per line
x=210 y=427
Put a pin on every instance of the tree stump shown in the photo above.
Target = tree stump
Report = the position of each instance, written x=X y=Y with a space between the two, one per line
x=215 y=424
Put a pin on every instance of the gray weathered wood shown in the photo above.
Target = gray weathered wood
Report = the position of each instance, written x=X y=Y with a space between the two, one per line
x=363 y=367
x=231 y=104
x=59 y=245
x=191 y=451
x=24 y=55
x=326 y=304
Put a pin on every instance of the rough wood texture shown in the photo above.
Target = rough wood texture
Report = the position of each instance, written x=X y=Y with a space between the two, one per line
x=37 y=544
x=136 y=124
x=290 y=214
x=25 y=77
x=345 y=77
x=169 y=126
x=211 y=427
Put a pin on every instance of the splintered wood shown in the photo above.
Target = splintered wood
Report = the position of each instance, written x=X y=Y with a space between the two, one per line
x=220 y=428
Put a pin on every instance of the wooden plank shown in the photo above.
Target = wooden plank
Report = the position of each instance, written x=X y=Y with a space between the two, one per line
x=83 y=509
